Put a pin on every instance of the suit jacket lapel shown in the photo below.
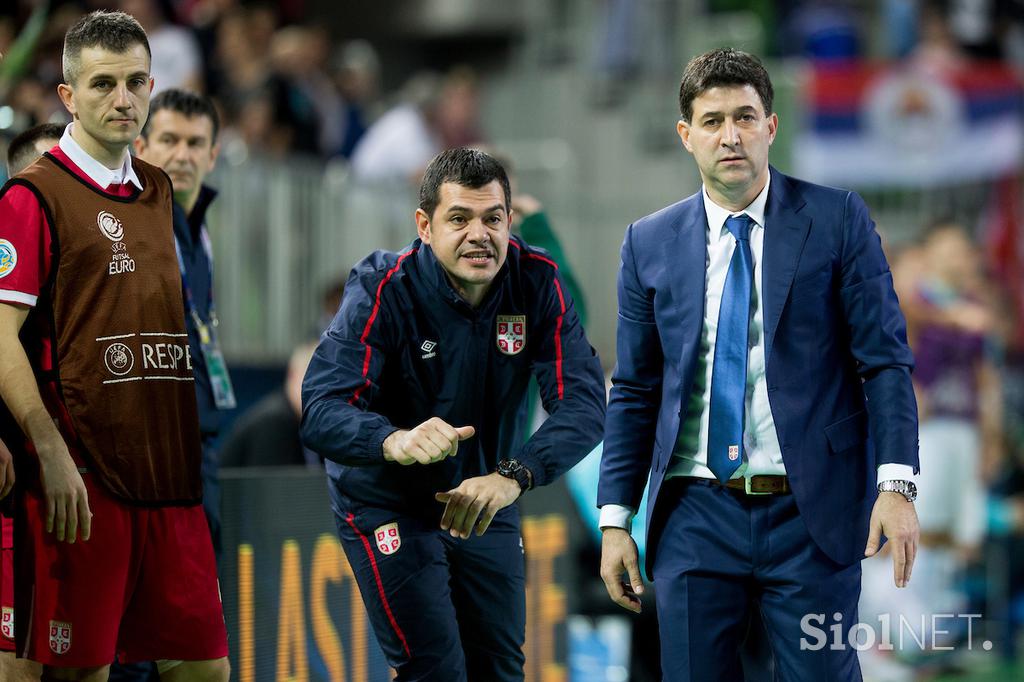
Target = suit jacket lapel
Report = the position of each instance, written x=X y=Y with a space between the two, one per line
x=687 y=267
x=785 y=234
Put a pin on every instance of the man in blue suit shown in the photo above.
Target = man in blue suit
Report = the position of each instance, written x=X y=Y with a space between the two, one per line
x=763 y=387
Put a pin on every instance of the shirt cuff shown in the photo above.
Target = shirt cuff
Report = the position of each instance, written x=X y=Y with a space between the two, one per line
x=616 y=516
x=895 y=472
x=8 y=296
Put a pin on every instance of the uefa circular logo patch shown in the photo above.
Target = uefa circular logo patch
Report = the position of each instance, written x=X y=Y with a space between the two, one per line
x=119 y=359
x=8 y=257
x=110 y=226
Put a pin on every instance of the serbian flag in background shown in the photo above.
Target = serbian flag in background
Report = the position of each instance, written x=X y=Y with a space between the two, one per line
x=1003 y=225
x=904 y=125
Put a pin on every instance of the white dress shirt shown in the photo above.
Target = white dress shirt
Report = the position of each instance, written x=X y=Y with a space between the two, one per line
x=762 y=454
x=96 y=171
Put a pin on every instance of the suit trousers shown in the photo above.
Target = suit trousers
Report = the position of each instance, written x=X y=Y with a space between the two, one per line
x=722 y=553
x=443 y=609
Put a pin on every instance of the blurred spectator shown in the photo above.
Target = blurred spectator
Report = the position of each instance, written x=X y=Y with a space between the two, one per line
x=975 y=29
x=952 y=322
x=30 y=145
x=268 y=433
x=938 y=50
x=268 y=110
x=299 y=59
x=330 y=301
x=825 y=32
x=435 y=114
x=355 y=69
x=177 y=60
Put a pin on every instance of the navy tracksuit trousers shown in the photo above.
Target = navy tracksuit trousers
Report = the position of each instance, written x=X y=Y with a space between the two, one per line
x=442 y=608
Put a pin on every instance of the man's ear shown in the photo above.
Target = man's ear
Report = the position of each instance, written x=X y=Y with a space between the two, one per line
x=214 y=154
x=683 y=130
x=423 y=225
x=66 y=92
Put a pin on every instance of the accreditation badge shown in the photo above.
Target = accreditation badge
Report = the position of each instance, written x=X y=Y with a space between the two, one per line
x=216 y=368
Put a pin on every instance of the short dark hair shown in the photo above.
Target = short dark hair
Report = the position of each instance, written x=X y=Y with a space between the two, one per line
x=184 y=102
x=723 y=67
x=464 y=166
x=116 y=32
x=22 y=150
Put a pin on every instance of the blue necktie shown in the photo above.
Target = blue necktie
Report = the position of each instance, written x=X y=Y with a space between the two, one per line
x=729 y=373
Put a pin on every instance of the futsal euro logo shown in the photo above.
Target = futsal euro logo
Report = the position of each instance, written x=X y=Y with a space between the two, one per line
x=110 y=226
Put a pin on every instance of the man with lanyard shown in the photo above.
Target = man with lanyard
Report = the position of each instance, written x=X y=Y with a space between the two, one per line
x=181 y=137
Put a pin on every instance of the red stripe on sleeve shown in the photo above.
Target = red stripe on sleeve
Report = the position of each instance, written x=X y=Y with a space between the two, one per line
x=369 y=326
x=558 y=322
x=558 y=341
x=350 y=519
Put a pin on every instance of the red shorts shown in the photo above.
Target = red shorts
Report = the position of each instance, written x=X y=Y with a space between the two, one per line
x=6 y=583
x=144 y=586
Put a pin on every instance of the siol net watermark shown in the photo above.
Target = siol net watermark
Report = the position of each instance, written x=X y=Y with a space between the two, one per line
x=936 y=631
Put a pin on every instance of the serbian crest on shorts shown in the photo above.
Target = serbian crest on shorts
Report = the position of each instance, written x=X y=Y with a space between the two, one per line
x=7 y=622
x=387 y=538
x=60 y=637
x=511 y=333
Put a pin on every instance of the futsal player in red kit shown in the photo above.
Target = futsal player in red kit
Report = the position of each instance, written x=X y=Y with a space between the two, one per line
x=114 y=554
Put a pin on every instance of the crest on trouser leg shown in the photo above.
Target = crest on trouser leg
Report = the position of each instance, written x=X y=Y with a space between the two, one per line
x=387 y=538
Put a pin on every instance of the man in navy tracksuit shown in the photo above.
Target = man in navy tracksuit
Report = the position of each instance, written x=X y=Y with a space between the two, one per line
x=412 y=397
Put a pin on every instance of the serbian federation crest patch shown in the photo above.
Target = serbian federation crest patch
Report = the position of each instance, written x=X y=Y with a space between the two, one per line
x=387 y=537
x=511 y=333
x=60 y=637
x=7 y=622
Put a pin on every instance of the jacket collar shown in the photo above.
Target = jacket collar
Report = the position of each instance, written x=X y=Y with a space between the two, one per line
x=433 y=274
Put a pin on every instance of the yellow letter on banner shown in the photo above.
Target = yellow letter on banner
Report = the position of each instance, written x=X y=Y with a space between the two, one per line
x=246 y=671
x=545 y=539
x=327 y=562
x=291 y=626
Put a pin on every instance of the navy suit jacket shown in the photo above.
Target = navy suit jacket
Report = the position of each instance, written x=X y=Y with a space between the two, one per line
x=837 y=360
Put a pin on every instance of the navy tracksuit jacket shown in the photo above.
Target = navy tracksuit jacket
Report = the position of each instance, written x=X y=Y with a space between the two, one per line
x=404 y=347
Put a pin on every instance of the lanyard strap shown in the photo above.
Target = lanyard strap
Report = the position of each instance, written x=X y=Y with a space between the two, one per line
x=204 y=238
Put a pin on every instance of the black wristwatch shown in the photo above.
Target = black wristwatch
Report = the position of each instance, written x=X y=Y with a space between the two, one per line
x=514 y=469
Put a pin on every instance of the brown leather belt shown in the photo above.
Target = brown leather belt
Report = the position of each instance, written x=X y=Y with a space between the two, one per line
x=759 y=485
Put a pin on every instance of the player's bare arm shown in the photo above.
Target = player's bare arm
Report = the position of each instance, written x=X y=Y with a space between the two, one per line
x=430 y=442
x=6 y=470
x=67 y=501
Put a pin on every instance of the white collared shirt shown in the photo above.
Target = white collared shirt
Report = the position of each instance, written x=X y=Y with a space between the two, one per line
x=761 y=451
x=96 y=171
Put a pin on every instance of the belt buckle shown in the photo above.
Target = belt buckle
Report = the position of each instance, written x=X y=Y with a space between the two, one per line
x=746 y=487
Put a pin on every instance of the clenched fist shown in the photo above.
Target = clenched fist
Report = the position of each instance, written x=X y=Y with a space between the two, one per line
x=430 y=442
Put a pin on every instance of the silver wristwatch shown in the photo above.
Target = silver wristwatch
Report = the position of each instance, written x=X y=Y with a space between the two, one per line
x=905 y=488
